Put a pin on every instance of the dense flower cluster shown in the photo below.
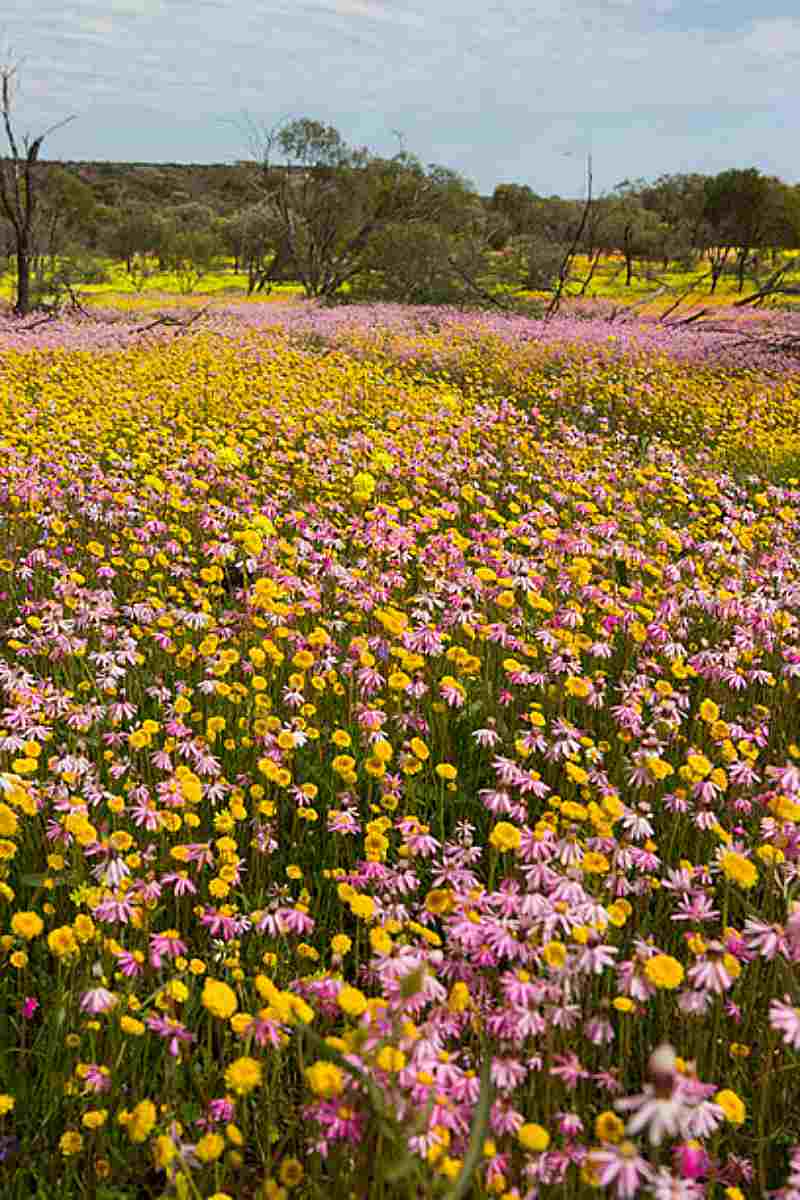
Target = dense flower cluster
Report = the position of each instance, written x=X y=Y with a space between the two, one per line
x=392 y=733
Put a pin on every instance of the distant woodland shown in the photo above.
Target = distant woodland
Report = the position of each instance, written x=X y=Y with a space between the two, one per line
x=343 y=222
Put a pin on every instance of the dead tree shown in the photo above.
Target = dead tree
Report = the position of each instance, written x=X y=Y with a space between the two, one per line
x=19 y=185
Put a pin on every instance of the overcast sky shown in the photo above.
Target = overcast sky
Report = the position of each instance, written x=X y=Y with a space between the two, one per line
x=500 y=90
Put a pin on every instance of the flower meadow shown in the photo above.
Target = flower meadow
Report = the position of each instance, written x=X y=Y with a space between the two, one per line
x=399 y=761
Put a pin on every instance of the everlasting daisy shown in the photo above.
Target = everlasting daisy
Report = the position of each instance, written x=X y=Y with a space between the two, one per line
x=785 y=1018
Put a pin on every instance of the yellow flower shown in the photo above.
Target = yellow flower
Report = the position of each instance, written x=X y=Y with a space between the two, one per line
x=663 y=971
x=459 y=999
x=95 y=1118
x=62 y=942
x=70 y=1143
x=419 y=749
x=351 y=1001
x=390 y=1059
x=363 y=907
x=27 y=925
x=343 y=764
x=738 y=869
x=699 y=765
x=575 y=685
x=618 y=914
x=141 y=1121
x=505 y=836
x=594 y=863
x=132 y=1026
x=9 y=824
x=732 y=1106
x=243 y=1075
x=554 y=954
x=6 y=1103
x=709 y=711
x=219 y=999
x=291 y=1172
x=382 y=750
x=83 y=927
x=210 y=1147
x=446 y=771
x=608 y=1127
x=341 y=943
x=325 y=1079
x=533 y=1137
x=252 y=542
x=439 y=901
x=380 y=941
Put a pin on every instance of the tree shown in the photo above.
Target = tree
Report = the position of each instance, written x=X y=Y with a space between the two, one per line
x=189 y=255
x=516 y=202
x=330 y=201
x=66 y=213
x=542 y=259
x=737 y=208
x=630 y=229
x=132 y=230
x=430 y=262
x=253 y=237
x=20 y=184
x=679 y=203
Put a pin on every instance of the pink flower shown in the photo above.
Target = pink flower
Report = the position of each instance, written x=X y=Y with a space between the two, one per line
x=621 y=1165
x=165 y=945
x=98 y=1000
x=784 y=1017
x=660 y=1108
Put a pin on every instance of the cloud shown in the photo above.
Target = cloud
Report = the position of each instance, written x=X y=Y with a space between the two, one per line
x=136 y=8
x=493 y=88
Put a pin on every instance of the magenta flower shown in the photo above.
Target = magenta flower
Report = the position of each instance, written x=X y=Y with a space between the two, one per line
x=692 y=1160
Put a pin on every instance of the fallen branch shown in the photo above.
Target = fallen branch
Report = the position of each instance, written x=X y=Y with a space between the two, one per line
x=180 y=326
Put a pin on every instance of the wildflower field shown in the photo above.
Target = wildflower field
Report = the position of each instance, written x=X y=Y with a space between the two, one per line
x=399 y=760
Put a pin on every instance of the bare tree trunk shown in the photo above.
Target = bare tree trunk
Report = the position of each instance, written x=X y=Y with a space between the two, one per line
x=592 y=268
x=628 y=252
x=744 y=253
x=19 y=185
x=22 y=305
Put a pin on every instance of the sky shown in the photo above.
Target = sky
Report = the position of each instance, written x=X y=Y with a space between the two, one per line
x=500 y=90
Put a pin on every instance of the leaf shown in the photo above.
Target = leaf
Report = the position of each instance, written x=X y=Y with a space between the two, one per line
x=336 y=1056
x=480 y=1123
